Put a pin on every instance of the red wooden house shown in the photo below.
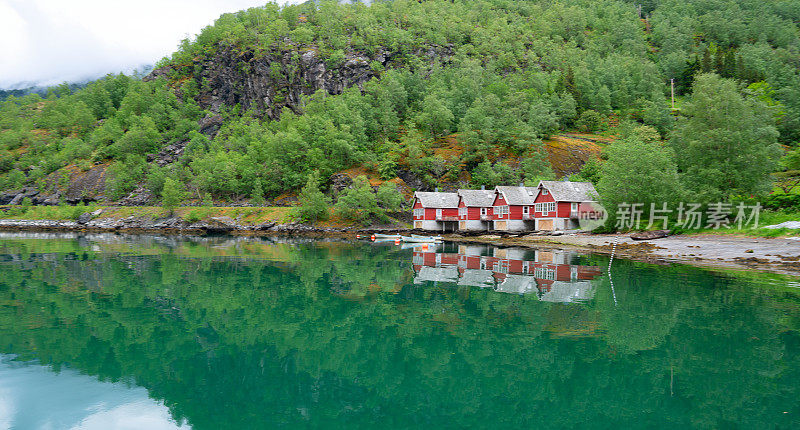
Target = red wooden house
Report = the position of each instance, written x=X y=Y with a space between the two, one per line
x=435 y=211
x=513 y=208
x=558 y=204
x=475 y=209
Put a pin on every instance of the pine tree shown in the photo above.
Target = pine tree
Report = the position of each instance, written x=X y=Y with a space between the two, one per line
x=705 y=64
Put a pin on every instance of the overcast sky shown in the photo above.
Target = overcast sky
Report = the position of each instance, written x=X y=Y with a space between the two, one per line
x=47 y=42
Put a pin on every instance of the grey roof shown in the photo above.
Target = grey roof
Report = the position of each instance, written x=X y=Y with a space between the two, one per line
x=568 y=292
x=477 y=198
x=518 y=284
x=518 y=195
x=566 y=191
x=477 y=278
x=437 y=200
x=437 y=274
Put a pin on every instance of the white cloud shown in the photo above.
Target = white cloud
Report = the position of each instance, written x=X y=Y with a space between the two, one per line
x=51 y=41
x=132 y=416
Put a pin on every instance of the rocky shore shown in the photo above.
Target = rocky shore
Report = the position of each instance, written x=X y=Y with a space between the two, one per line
x=213 y=225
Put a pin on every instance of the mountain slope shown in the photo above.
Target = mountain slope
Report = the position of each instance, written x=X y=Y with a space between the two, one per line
x=268 y=95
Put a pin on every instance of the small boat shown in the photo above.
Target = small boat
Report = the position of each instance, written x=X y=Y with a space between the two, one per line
x=386 y=236
x=426 y=237
x=421 y=239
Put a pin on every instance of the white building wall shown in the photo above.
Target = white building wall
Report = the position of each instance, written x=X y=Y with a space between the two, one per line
x=473 y=225
x=432 y=225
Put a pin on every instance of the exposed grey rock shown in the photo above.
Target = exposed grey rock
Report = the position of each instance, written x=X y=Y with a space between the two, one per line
x=649 y=235
x=786 y=224
x=265 y=226
x=339 y=182
x=141 y=196
x=17 y=199
x=210 y=125
x=84 y=218
x=271 y=81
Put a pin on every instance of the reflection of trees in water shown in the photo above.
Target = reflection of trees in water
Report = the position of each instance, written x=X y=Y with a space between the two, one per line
x=327 y=334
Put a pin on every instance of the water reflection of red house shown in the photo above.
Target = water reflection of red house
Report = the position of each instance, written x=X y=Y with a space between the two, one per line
x=520 y=271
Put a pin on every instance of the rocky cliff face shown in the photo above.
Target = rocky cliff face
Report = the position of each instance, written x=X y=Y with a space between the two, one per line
x=268 y=82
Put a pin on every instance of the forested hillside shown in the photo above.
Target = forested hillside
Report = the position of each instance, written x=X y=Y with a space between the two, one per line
x=254 y=104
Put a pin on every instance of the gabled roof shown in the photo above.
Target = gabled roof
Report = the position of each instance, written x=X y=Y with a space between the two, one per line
x=437 y=200
x=566 y=191
x=477 y=278
x=437 y=274
x=567 y=292
x=518 y=195
x=518 y=284
x=477 y=198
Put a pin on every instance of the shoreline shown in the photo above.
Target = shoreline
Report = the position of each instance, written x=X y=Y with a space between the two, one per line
x=777 y=255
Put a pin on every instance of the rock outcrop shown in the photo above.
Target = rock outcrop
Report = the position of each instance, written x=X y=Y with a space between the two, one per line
x=269 y=81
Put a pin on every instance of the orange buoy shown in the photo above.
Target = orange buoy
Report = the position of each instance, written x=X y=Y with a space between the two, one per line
x=372 y=237
x=397 y=241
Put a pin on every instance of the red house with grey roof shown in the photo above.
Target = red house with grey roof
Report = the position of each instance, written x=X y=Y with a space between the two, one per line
x=475 y=210
x=558 y=204
x=435 y=211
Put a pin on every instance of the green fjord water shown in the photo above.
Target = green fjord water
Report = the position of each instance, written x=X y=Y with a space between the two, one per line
x=114 y=331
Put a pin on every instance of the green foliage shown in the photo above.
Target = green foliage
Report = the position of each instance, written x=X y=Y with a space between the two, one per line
x=789 y=202
x=503 y=75
x=590 y=172
x=535 y=167
x=125 y=175
x=490 y=176
x=193 y=216
x=726 y=144
x=207 y=200
x=359 y=202
x=389 y=197
x=638 y=172
x=155 y=180
x=172 y=195
x=590 y=121
x=257 y=197
x=312 y=204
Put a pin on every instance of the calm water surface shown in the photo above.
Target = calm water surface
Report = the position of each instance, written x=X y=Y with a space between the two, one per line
x=146 y=332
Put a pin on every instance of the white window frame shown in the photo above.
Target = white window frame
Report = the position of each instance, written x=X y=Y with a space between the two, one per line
x=544 y=191
x=484 y=211
x=574 y=207
x=544 y=273
x=462 y=212
x=545 y=207
x=438 y=213
x=419 y=212
x=502 y=210
x=526 y=210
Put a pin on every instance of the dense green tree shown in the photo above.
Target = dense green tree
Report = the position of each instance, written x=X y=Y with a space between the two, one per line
x=312 y=204
x=257 y=196
x=359 y=202
x=172 y=194
x=725 y=144
x=389 y=197
x=638 y=172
